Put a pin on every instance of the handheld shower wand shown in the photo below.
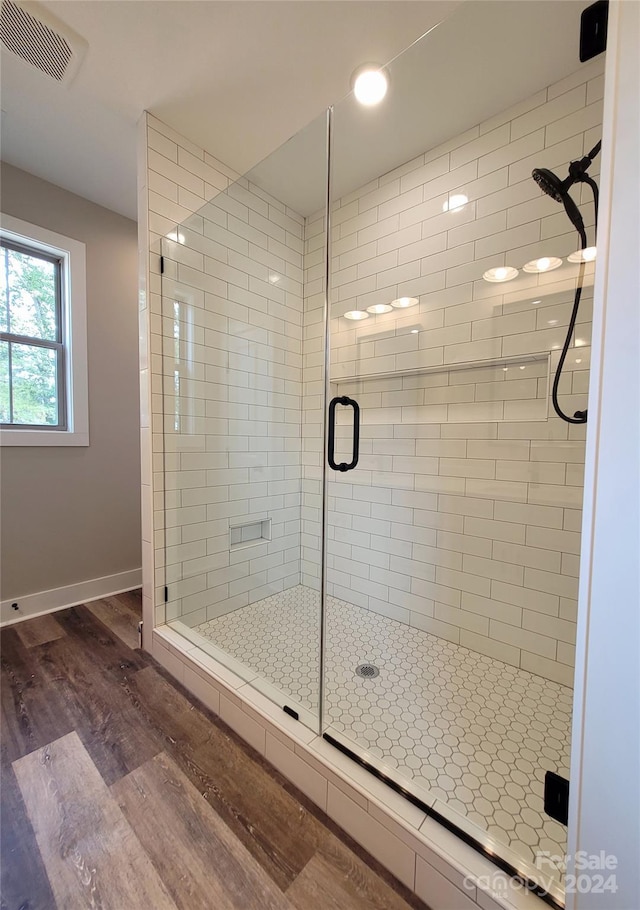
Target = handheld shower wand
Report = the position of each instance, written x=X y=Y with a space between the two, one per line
x=558 y=189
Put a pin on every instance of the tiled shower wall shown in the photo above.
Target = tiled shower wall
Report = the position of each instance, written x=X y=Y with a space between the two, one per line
x=227 y=373
x=463 y=517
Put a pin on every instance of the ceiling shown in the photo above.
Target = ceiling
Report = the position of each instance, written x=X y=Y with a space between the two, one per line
x=238 y=78
x=483 y=58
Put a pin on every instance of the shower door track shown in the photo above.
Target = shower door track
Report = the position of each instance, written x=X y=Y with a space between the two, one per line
x=430 y=812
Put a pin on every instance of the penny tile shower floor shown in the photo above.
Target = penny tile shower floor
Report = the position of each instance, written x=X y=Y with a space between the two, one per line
x=478 y=733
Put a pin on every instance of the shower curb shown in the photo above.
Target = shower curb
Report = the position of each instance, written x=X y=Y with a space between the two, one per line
x=426 y=857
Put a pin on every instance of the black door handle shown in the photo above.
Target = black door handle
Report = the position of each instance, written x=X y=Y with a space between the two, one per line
x=346 y=402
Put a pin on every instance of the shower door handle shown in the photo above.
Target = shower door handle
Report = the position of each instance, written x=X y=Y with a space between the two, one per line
x=346 y=402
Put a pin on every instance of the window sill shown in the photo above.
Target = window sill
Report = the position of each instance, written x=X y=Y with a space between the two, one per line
x=28 y=438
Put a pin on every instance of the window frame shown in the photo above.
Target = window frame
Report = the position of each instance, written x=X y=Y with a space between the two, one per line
x=73 y=410
x=57 y=345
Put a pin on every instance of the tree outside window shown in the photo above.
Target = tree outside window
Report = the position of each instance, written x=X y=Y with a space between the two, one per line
x=31 y=339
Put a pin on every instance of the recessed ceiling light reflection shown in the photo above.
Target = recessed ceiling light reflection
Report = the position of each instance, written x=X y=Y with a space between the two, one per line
x=356 y=315
x=552 y=322
x=580 y=342
x=501 y=273
x=403 y=302
x=534 y=302
x=544 y=264
x=273 y=278
x=455 y=203
x=379 y=308
x=370 y=85
x=176 y=236
x=586 y=255
x=414 y=331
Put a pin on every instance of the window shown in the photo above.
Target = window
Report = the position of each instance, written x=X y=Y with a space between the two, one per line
x=31 y=332
x=43 y=361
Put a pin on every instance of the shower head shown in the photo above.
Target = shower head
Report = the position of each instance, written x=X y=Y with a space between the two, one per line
x=558 y=189
x=550 y=183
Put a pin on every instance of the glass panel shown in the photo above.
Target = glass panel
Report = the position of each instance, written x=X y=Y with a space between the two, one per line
x=4 y=292
x=454 y=543
x=243 y=305
x=34 y=384
x=5 y=388
x=29 y=295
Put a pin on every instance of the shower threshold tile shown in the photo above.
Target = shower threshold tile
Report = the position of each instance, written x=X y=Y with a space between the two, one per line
x=276 y=695
x=472 y=732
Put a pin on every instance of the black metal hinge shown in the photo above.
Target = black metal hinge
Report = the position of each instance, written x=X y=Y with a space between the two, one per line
x=166 y=594
x=162 y=265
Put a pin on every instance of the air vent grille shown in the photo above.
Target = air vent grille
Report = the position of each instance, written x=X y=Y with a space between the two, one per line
x=34 y=41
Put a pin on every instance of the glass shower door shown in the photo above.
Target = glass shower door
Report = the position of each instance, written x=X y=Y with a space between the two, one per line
x=453 y=541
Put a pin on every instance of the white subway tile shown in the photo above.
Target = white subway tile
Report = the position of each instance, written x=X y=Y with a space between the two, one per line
x=510 y=153
x=559 y=541
x=425 y=174
x=250 y=730
x=574 y=124
x=437 y=891
x=435 y=627
x=526 y=598
x=555 y=495
x=492 y=609
x=531 y=471
x=497 y=489
x=495 y=530
x=560 y=629
x=551 y=583
x=550 y=669
x=313 y=784
x=543 y=517
x=493 y=569
x=374 y=837
x=491 y=647
x=526 y=556
x=556 y=109
x=523 y=639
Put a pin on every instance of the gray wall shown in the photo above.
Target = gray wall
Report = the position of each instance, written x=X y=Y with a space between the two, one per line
x=73 y=514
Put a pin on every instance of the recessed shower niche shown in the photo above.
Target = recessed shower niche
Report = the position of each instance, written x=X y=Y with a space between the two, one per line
x=447 y=556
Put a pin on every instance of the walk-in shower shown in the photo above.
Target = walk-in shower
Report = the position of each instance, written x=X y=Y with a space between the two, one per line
x=372 y=511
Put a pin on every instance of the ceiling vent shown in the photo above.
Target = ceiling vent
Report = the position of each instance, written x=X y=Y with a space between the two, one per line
x=41 y=40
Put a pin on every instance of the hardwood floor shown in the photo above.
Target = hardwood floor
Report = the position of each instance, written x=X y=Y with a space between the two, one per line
x=121 y=791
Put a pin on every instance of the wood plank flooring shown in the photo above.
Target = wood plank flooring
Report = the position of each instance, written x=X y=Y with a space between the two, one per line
x=121 y=791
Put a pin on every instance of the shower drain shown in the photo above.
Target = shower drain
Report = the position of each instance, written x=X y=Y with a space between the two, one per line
x=368 y=671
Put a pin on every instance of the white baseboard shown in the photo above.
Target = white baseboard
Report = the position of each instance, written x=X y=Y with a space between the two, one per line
x=32 y=605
